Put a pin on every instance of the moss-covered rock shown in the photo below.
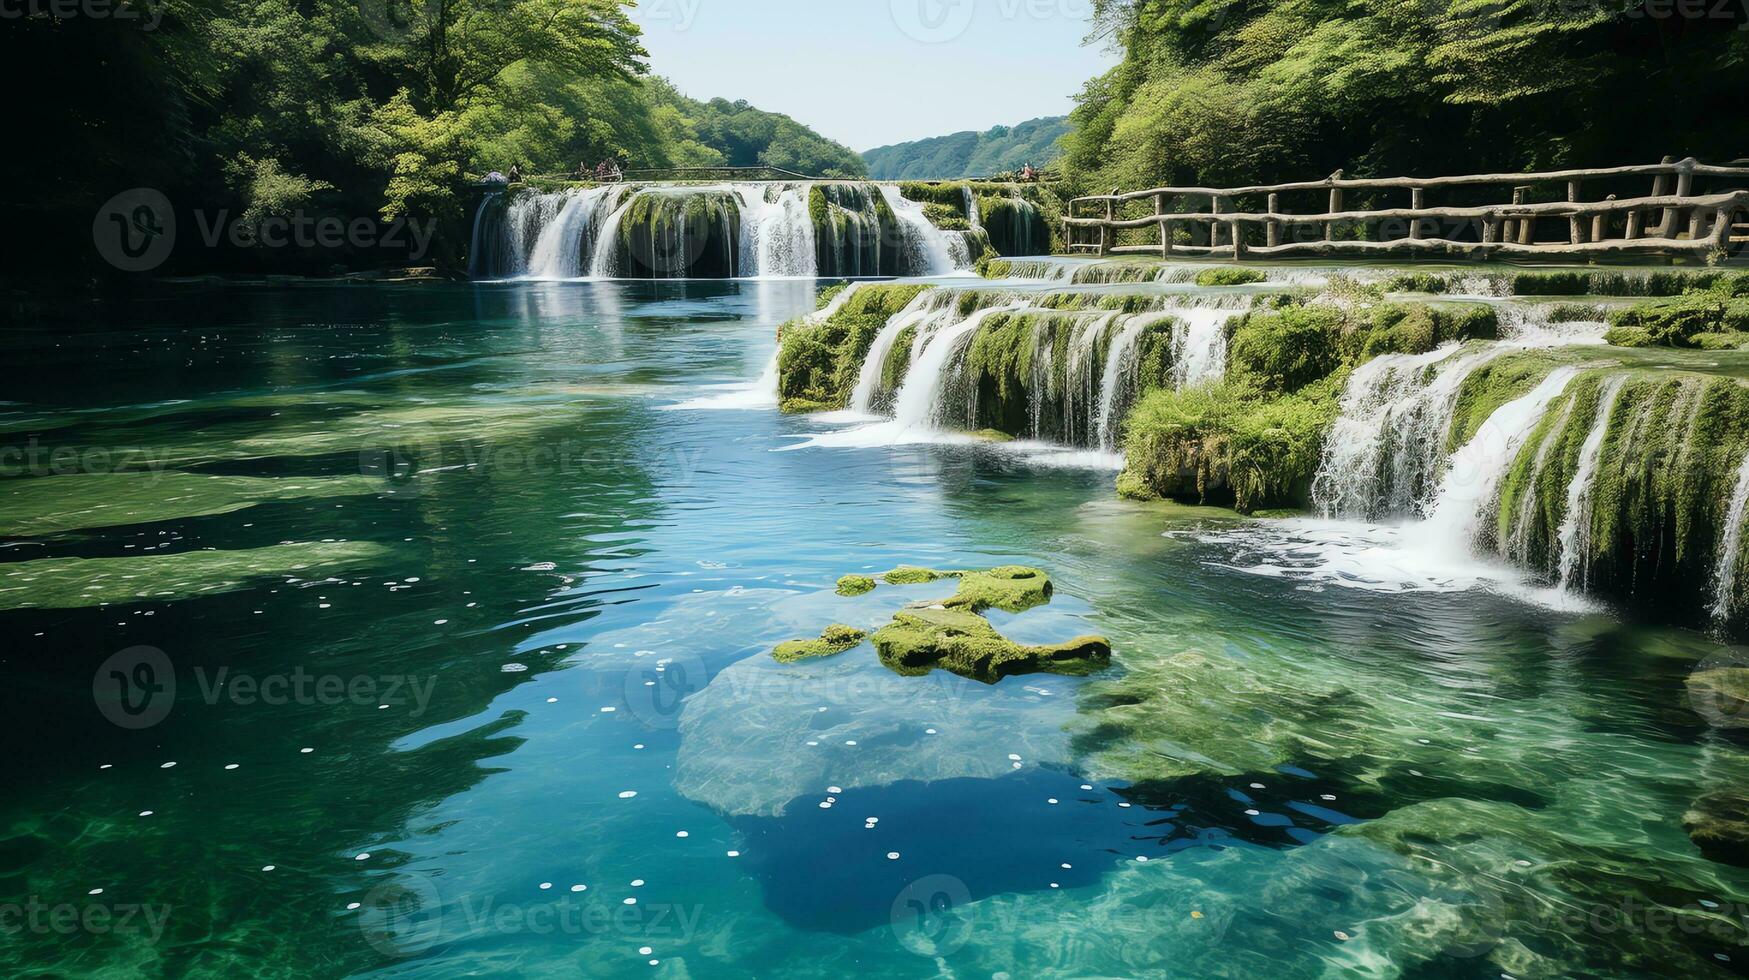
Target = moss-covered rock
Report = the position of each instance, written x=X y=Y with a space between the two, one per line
x=835 y=639
x=1715 y=319
x=1222 y=443
x=911 y=575
x=818 y=363
x=854 y=585
x=963 y=642
x=1229 y=276
x=1626 y=283
x=1718 y=823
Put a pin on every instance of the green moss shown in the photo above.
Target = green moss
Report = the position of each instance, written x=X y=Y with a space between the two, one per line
x=991 y=267
x=1718 y=823
x=912 y=575
x=56 y=504
x=1491 y=386
x=1584 y=283
x=1285 y=350
x=818 y=364
x=1227 y=443
x=854 y=585
x=1418 y=282
x=898 y=361
x=72 y=583
x=1229 y=276
x=1681 y=322
x=828 y=295
x=920 y=640
x=946 y=218
x=833 y=640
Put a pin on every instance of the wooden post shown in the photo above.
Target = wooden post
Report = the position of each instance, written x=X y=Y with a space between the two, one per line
x=1105 y=229
x=1600 y=224
x=1417 y=201
x=1165 y=226
x=1575 y=224
x=1335 y=206
x=1526 y=226
x=1273 y=232
x=1722 y=229
x=1238 y=234
x=1215 y=226
x=1696 y=221
x=1684 y=183
x=1490 y=229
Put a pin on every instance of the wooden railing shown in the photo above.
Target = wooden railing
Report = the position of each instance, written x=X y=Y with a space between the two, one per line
x=1673 y=219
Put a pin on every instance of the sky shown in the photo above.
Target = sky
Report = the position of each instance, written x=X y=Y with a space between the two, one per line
x=868 y=73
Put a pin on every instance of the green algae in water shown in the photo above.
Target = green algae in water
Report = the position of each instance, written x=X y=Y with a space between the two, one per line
x=835 y=639
x=71 y=583
x=54 y=504
x=920 y=640
x=855 y=585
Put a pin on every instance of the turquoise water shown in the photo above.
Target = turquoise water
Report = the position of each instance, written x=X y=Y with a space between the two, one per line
x=474 y=587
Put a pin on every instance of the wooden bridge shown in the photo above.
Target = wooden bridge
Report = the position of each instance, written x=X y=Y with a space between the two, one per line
x=1673 y=219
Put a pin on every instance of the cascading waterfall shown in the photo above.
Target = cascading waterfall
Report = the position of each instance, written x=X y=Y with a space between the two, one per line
x=1381 y=456
x=1119 y=361
x=927 y=306
x=1473 y=474
x=777 y=235
x=927 y=248
x=1725 y=573
x=918 y=405
x=570 y=237
x=740 y=230
x=1575 y=533
x=1199 y=345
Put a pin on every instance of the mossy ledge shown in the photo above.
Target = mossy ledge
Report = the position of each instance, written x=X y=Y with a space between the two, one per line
x=818 y=363
x=1253 y=439
x=833 y=640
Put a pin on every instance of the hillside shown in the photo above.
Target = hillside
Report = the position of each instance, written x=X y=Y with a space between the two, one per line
x=970 y=154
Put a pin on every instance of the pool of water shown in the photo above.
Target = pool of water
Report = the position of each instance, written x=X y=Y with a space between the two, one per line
x=424 y=631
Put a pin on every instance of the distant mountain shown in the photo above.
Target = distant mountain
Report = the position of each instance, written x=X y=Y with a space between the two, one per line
x=970 y=154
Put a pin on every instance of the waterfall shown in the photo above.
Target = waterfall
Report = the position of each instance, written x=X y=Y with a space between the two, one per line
x=925 y=246
x=1725 y=568
x=868 y=379
x=476 y=244
x=919 y=401
x=1199 y=345
x=1473 y=473
x=569 y=240
x=1119 y=363
x=1382 y=454
x=1575 y=533
x=777 y=236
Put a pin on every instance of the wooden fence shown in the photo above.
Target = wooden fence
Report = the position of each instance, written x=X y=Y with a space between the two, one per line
x=1674 y=219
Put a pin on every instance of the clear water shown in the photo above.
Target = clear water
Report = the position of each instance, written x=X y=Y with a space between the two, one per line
x=542 y=588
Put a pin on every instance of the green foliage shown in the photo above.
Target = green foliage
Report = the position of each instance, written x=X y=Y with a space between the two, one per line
x=1214 y=92
x=1714 y=319
x=1226 y=443
x=1286 y=350
x=946 y=218
x=999 y=150
x=1229 y=276
x=1663 y=283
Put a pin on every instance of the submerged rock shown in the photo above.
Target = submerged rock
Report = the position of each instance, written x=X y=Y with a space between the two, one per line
x=855 y=585
x=836 y=639
x=963 y=642
x=1718 y=823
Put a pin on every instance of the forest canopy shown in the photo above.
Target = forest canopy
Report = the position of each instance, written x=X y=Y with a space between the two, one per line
x=998 y=150
x=1248 y=91
x=374 y=108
